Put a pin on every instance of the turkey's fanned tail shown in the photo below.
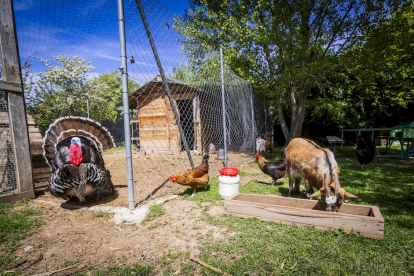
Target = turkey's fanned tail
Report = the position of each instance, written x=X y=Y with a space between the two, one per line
x=75 y=126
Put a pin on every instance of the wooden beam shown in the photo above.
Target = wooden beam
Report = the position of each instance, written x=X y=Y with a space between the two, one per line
x=9 y=198
x=17 y=111
x=10 y=86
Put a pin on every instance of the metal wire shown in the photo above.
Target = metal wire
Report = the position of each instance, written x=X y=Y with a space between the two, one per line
x=158 y=145
x=8 y=182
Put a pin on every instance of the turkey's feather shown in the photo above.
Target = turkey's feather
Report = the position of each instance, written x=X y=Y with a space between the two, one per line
x=77 y=180
x=75 y=126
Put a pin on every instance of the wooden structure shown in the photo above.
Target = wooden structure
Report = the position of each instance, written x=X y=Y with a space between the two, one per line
x=154 y=125
x=18 y=154
x=41 y=170
x=333 y=140
x=365 y=221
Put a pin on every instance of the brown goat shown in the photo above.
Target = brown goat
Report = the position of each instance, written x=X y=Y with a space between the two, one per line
x=269 y=145
x=318 y=167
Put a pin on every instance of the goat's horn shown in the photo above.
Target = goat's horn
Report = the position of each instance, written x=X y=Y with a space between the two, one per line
x=336 y=185
x=325 y=184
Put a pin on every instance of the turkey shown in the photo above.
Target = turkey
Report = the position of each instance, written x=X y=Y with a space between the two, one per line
x=73 y=149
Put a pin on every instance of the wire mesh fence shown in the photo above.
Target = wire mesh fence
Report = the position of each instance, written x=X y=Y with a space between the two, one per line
x=8 y=182
x=71 y=61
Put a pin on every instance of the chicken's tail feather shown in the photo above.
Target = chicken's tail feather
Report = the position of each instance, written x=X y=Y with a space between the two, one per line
x=75 y=126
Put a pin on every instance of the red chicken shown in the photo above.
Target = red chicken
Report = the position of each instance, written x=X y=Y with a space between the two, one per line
x=195 y=177
x=275 y=170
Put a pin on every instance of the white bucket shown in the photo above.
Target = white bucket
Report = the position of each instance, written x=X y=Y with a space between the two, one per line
x=228 y=184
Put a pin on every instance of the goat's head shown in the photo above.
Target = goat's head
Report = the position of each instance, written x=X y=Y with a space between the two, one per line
x=332 y=196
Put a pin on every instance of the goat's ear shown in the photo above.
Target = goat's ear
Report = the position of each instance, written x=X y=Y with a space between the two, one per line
x=349 y=195
x=318 y=193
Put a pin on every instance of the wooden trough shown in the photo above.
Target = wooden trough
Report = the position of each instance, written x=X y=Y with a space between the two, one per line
x=362 y=220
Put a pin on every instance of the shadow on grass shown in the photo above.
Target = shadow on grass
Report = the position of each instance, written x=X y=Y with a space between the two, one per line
x=278 y=183
x=189 y=190
x=389 y=186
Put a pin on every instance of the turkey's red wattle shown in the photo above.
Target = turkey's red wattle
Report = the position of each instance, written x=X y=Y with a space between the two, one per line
x=75 y=155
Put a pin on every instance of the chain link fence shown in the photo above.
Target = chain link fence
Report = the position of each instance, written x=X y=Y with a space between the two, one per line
x=71 y=69
x=8 y=181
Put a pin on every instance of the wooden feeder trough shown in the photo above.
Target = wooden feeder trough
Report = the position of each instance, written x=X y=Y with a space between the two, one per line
x=362 y=220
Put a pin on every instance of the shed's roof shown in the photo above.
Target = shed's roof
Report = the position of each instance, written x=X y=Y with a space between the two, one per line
x=155 y=86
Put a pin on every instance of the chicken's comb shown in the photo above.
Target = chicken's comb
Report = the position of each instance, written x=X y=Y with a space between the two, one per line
x=171 y=178
x=256 y=155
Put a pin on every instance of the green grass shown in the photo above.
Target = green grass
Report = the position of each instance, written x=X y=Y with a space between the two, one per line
x=100 y=214
x=260 y=248
x=209 y=195
x=265 y=248
x=137 y=270
x=155 y=210
x=14 y=226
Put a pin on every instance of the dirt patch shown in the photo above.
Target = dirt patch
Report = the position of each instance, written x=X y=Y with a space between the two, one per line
x=150 y=174
x=83 y=237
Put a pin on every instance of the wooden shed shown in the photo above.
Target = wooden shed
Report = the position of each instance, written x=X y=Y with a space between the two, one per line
x=153 y=126
x=41 y=170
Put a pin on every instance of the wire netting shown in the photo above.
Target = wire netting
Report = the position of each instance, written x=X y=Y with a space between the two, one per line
x=1 y=68
x=8 y=182
x=70 y=52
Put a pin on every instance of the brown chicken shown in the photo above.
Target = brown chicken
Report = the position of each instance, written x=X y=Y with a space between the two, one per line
x=195 y=177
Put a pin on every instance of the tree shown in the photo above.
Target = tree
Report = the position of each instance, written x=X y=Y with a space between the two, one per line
x=66 y=89
x=283 y=47
x=381 y=71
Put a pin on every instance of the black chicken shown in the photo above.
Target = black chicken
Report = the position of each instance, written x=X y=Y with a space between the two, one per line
x=275 y=170
x=72 y=148
x=365 y=150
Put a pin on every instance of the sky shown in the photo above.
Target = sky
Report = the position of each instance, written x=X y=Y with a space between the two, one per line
x=89 y=29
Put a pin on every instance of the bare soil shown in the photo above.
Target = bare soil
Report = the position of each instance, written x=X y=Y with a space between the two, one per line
x=81 y=237
x=85 y=238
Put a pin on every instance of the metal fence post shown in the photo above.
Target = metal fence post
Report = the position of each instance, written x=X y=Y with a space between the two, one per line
x=253 y=128
x=223 y=105
x=265 y=114
x=164 y=80
x=125 y=101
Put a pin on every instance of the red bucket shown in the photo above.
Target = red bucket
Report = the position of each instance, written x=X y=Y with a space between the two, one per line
x=229 y=171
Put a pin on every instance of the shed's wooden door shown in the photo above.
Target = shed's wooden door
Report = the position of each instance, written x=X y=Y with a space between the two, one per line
x=153 y=127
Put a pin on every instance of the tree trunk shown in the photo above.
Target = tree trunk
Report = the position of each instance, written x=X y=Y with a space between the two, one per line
x=296 y=125
x=282 y=118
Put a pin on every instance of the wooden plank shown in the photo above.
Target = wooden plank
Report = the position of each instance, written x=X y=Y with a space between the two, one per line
x=42 y=170
x=156 y=114
x=334 y=139
x=353 y=218
x=151 y=128
x=168 y=126
x=13 y=197
x=351 y=209
x=11 y=86
x=18 y=123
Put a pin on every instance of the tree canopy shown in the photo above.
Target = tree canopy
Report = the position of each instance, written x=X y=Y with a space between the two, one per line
x=65 y=90
x=284 y=48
